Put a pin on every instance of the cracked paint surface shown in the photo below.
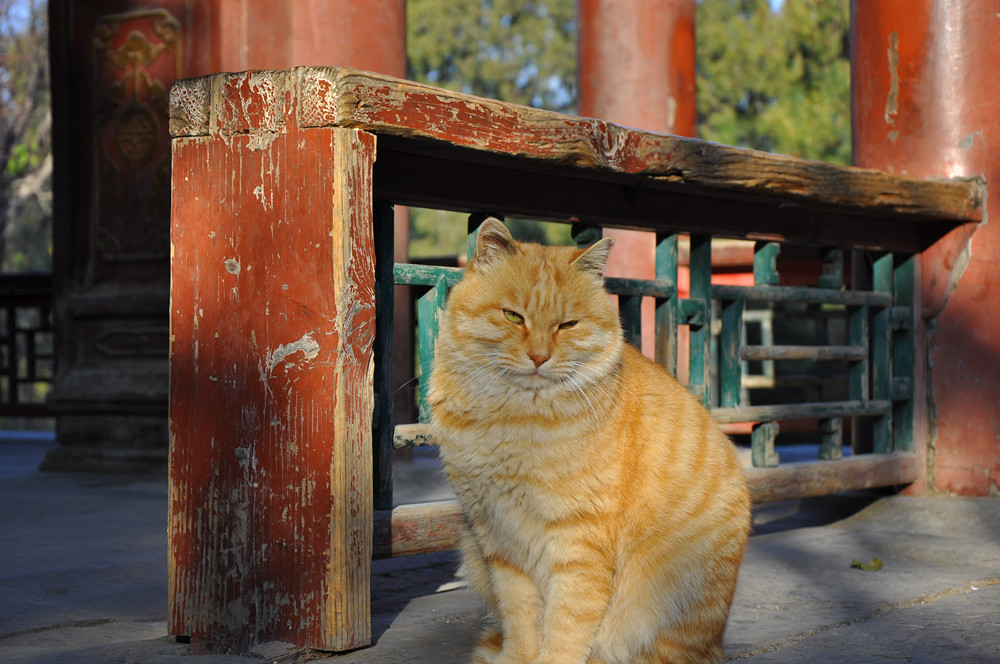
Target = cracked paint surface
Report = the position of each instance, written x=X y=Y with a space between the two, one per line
x=272 y=319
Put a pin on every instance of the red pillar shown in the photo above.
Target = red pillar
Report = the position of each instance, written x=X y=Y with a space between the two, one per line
x=637 y=68
x=301 y=528
x=276 y=34
x=111 y=242
x=923 y=84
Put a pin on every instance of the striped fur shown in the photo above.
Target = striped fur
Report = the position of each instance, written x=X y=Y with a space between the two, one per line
x=607 y=514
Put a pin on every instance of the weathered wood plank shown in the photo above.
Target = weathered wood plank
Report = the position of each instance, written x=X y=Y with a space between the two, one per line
x=389 y=106
x=700 y=327
x=800 y=411
x=430 y=306
x=666 y=308
x=412 y=435
x=820 y=478
x=904 y=350
x=813 y=353
x=881 y=353
x=272 y=326
x=425 y=179
x=382 y=104
x=762 y=453
x=412 y=529
x=831 y=446
x=804 y=295
x=765 y=264
x=730 y=354
x=426 y=275
x=419 y=528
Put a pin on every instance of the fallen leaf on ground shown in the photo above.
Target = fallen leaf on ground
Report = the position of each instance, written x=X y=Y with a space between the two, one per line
x=874 y=565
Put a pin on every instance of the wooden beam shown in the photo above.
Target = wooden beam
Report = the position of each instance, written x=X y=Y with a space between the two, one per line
x=452 y=126
x=420 y=528
x=410 y=529
x=819 y=478
x=387 y=105
x=811 y=353
x=459 y=179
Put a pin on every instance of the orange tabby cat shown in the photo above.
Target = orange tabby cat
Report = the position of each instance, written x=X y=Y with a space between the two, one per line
x=607 y=514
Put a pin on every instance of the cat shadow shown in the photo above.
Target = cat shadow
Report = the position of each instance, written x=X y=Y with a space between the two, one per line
x=396 y=582
x=796 y=513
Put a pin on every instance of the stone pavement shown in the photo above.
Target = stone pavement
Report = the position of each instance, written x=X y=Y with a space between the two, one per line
x=83 y=579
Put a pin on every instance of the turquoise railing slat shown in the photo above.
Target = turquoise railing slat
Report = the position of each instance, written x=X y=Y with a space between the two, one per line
x=666 y=305
x=762 y=454
x=429 y=308
x=831 y=444
x=700 y=264
x=765 y=263
x=903 y=351
x=730 y=354
x=881 y=353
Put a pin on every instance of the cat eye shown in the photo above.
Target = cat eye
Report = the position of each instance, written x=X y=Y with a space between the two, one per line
x=513 y=316
x=568 y=324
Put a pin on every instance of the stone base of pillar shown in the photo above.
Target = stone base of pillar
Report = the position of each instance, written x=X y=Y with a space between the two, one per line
x=109 y=443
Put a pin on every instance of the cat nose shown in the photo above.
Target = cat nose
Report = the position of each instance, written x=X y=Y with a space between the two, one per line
x=539 y=359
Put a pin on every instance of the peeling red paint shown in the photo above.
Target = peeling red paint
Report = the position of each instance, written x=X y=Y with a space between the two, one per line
x=271 y=503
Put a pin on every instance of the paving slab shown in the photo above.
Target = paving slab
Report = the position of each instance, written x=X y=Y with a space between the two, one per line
x=83 y=579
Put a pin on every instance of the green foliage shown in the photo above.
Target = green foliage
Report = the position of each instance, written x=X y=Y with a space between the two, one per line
x=442 y=233
x=776 y=81
x=521 y=51
x=770 y=80
x=437 y=233
x=25 y=138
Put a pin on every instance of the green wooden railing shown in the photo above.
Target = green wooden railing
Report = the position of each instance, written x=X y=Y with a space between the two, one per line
x=878 y=351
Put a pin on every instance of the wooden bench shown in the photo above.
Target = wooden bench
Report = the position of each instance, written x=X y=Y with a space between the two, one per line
x=281 y=309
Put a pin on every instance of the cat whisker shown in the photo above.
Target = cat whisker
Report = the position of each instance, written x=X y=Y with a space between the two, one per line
x=410 y=383
x=495 y=366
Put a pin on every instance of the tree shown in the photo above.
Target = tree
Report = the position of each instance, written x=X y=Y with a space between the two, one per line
x=521 y=51
x=25 y=137
x=776 y=80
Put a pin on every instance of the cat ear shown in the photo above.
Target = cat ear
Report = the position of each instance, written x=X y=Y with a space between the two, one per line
x=594 y=258
x=493 y=242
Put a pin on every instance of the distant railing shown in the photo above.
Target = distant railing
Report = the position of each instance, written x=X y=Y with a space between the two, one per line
x=26 y=345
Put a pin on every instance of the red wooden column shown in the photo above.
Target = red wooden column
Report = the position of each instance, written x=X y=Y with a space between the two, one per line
x=923 y=88
x=274 y=34
x=367 y=35
x=272 y=325
x=637 y=68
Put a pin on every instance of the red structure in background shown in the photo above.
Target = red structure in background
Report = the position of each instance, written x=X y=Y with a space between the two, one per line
x=636 y=67
x=922 y=93
x=924 y=88
x=113 y=62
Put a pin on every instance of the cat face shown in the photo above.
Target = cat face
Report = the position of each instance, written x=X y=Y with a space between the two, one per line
x=532 y=318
